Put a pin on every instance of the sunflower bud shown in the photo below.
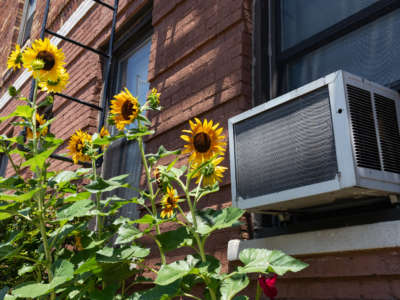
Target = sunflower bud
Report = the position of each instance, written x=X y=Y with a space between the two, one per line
x=37 y=64
x=154 y=99
x=12 y=91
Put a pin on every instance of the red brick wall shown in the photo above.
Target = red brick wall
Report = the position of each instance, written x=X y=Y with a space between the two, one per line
x=201 y=63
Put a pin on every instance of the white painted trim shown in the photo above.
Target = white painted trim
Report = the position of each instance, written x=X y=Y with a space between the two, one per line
x=72 y=21
x=352 y=238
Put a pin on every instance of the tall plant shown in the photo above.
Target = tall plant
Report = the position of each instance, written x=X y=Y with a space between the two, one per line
x=60 y=255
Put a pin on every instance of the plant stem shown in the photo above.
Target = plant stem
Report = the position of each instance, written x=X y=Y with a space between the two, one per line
x=191 y=296
x=152 y=197
x=258 y=292
x=41 y=193
x=16 y=169
x=99 y=225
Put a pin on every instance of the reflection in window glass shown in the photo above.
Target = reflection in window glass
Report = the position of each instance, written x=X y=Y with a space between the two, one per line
x=303 y=18
x=371 y=52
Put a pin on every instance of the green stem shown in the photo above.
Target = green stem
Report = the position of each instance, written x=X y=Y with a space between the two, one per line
x=16 y=169
x=152 y=196
x=258 y=292
x=40 y=198
x=99 y=225
x=191 y=296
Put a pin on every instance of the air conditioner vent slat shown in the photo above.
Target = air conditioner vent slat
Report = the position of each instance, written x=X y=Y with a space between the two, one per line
x=389 y=134
x=363 y=128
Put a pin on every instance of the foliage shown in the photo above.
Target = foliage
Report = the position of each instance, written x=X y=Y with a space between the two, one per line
x=50 y=250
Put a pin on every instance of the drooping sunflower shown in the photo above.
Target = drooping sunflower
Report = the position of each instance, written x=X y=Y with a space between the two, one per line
x=169 y=202
x=52 y=58
x=205 y=141
x=212 y=172
x=15 y=59
x=39 y=122
x=124 y=109
x=76 y=146
x=55 y=86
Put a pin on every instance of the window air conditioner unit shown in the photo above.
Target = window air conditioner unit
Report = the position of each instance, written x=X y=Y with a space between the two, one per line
x=334 y=139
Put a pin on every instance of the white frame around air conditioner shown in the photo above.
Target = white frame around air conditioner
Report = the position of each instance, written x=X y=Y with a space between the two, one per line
x=348 y=173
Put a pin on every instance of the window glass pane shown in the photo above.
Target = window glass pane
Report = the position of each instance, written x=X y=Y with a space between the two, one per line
x=303 y=18
x=371 y=52
x=31 y=8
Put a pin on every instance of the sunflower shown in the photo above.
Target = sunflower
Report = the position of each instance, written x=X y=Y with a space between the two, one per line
x=205 y=141
x=39 y=122
x=124 y=109
x=51 y=57
x=55 y=86
x=211 y=173
x=15 y=59
x=77 y=145
x=169 y=202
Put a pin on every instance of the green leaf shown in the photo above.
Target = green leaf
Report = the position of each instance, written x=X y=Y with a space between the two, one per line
x=101 y=185
x=114 y=255
x=176 y=270
x=127 y=233
x=268 y=261
x=26 y=269
x=166 y=292
x=63 y=268
x=241 y=298
x=162 y=152
x=175 y=239
x=65 y=176
x=209 y=219
x=77 y=197
x=233 y=285
x=23 y=111
x=18 y=198
x=146 y=219
x=89 y=265
x=38 y=161
x=78 y=209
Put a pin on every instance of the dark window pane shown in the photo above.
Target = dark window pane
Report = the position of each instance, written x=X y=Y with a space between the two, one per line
x=371 y=52
x=303 y=18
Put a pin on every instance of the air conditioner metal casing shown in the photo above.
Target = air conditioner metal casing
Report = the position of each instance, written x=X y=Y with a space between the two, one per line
x=343 y=126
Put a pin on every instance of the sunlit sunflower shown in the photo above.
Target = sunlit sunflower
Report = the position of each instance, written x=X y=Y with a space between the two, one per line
x=39 y=122
x=55 y=86
x=154 y=98
x=169 y=202
x=52 y=58
x=15 y=59
x=76 y=146
x=212 y=172
x=124 y=109
x=205 y=141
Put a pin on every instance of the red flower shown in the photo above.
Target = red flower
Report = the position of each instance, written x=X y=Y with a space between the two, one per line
x=268 y=286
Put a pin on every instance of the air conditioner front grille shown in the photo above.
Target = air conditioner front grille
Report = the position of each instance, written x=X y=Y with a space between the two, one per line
x=363 y=128
x=289 y=146
x=388 y=133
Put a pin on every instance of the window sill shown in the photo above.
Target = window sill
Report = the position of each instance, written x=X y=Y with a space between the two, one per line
x=351 y=238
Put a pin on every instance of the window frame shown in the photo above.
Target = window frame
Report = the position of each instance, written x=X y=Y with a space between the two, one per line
x=24 y=22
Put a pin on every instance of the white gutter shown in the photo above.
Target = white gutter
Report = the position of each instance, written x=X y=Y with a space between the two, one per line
x=72 y=21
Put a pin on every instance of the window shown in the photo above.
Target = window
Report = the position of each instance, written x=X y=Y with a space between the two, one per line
x=298 y=41
x=308 y=39
x=123 y=157
x=26 y=22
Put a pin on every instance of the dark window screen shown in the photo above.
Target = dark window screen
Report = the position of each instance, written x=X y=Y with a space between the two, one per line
x=286 y=147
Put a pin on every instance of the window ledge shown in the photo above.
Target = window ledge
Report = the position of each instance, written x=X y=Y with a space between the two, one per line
x=351 y=238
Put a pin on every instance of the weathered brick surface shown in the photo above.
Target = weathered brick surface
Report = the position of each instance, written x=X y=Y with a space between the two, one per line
x=200 y=61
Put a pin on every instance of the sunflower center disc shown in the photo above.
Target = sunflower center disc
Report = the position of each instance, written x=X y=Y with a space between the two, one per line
x=127 y=110
x=48 y=59
x=202 y=142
